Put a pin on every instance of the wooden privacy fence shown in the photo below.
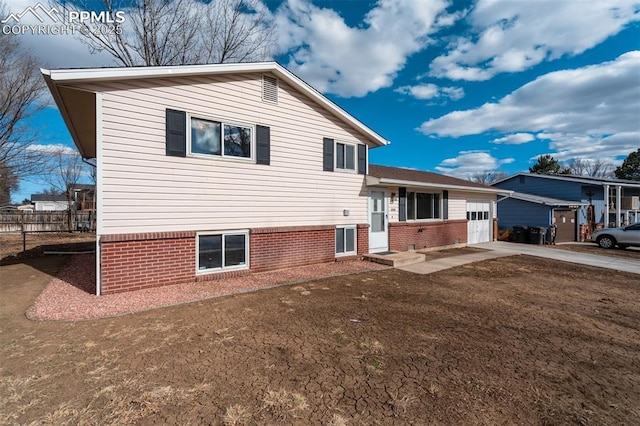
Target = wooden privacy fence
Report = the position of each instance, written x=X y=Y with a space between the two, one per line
x=38 y=221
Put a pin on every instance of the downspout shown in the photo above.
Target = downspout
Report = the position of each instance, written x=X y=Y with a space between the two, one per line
x=98 y=192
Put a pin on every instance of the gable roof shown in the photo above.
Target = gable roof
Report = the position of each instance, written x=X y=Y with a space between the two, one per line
x=573 y=178
x=82 y=127
x=385 y=175
x=546 y=201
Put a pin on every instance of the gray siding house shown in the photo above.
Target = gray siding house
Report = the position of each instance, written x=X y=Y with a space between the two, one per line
x=576 y=204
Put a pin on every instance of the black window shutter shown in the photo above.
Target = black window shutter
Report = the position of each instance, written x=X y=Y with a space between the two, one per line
x=263 y=145
x=327 y=155
x=362 y=159
x=445 y=205
x=176 y=139
x=402 y=207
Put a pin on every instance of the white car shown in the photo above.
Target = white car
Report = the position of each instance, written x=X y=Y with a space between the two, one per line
x=621 y=237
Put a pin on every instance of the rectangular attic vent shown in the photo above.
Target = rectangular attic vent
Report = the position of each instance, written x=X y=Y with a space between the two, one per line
x=269 y=89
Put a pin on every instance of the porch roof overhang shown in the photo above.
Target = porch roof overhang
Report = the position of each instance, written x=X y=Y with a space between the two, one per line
x=547 y=201
x=373 y=181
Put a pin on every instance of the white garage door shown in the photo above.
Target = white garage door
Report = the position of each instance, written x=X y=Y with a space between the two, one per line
x=479 y=221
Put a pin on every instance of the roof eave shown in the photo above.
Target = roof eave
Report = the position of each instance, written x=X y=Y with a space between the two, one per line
x=111 y=74
x=376 y=181
x=57 y=97
x=577 y=179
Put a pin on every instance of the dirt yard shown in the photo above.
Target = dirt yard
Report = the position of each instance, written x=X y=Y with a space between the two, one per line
x=515 y=340
x=36 y=243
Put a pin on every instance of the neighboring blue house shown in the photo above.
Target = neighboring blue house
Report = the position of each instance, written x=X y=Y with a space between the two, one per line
x=576 y=203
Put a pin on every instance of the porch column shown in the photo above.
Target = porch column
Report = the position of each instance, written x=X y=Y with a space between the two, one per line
x=618 y=204
x=606 y=206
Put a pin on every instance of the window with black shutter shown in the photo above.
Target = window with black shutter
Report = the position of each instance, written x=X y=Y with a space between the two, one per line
x=263 y=145
x=327 y=155
x=402 y=201
x=362 y=159
x=176 y=133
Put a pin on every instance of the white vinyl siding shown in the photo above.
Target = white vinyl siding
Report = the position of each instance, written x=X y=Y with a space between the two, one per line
x=146 y=191
x=457 y=203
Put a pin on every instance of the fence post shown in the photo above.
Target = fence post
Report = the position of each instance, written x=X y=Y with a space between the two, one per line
x=24 y=241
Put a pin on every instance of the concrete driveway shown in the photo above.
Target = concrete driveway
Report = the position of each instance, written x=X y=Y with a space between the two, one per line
x=501 y=249
x=611 y=262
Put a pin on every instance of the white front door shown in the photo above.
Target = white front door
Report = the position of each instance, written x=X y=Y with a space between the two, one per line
x=378 y=226
x=479 y=221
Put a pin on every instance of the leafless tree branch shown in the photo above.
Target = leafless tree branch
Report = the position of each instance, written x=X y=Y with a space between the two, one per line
x=177 y=32
x=20 y=90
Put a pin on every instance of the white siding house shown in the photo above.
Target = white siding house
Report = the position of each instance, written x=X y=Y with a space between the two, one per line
x=204 y=160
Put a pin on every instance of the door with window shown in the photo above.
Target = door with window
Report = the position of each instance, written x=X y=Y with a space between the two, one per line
x=378 y=226
x=567 y=225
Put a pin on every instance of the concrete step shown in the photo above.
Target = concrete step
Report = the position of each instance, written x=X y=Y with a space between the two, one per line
x=396 y=259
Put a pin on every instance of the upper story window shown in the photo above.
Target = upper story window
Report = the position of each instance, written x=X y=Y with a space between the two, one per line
x=222 y=139
x=345 y=156
x=422 y=206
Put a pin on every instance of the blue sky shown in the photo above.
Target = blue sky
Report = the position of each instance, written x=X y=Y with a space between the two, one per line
x=457 y=87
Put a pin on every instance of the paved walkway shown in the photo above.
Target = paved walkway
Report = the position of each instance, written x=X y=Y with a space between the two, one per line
x=501 y=249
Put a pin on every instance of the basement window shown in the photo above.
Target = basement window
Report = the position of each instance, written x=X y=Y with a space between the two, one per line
x=346 y=243
x=222 y=251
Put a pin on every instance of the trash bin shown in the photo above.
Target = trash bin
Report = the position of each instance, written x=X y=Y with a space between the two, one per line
x=520 y=234
x=537 y=235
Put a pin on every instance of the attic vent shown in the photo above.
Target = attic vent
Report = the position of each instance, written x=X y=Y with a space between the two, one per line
x=269 y=89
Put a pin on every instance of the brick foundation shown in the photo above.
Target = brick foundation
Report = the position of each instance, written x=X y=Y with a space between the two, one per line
x=426 y=234
x=137 y=261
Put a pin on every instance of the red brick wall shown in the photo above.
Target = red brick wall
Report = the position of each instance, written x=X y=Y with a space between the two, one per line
x=363 y=238
x=278 y=248
x=137 y=261
x=433 y=234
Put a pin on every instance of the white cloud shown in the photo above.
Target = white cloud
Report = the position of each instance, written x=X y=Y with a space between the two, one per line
x=587 y=147
x=515 y=139
x=468 y=163
x=578 y=111
x=430 y=91
x=55 y=148
x=511 y=36
x=54 y=50
x=353 y=61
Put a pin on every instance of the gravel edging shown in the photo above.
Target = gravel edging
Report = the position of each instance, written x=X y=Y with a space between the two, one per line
x=66 y=297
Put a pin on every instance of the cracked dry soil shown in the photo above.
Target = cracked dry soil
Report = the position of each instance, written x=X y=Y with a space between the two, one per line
x=516 y=340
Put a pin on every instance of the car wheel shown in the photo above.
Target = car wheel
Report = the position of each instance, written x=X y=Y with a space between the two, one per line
x=606 y=241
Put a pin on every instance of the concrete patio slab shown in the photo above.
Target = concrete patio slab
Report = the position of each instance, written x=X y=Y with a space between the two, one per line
x=441 y=264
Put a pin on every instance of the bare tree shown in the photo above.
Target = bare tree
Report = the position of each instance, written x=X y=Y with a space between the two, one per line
x=593 y=168
x=177 y=32
x=8 y=183
x=487 y=177
x=20 y=89
x=66 y=170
